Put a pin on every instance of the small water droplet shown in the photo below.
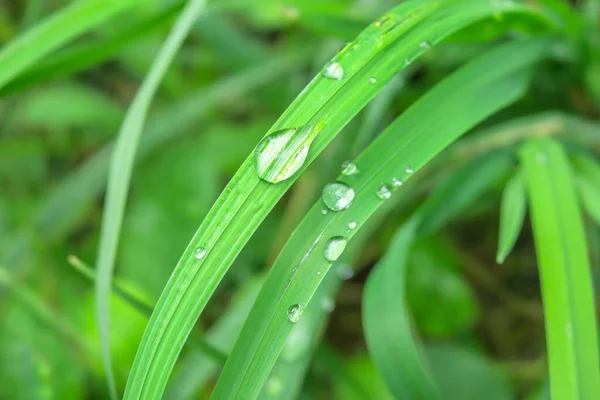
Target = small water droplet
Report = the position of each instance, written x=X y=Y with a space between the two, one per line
x=425 y=45
x=352 y=225
x=333 y=70
x=396 y=182
x=407 y=62
x=383 y=192
x=372 y=80
x=318 y=272
x=334 y=248
x=294 y=312
x=409 y=170
x=282 y=153
x=349 y=168
x=200 y=253
x=345 y=271
x=324 y=211
x=327 y=304
x=338 y=196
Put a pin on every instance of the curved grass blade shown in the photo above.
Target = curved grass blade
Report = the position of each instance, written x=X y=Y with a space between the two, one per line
x=567 y=291
x=120 y=174
x=512 y=216
x=83 y=56
x=57 y=30
x=406 y=145
x=588 y=181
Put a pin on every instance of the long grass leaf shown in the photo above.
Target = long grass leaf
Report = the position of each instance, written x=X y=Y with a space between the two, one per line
x=120 y=174
x=512 y=215
x=587 y=170
x=567 y=293
x=406 y=145
x=50 y=34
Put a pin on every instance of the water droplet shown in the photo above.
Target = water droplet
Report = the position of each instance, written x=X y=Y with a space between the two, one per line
x=396 y=182
x=324 y=211
x=372 y=80
x=200 y=253
x=333 y=70
x=345 y=271
x=409 y=170
x=407 y=62
x=294 y=312
x=349 y=168
x=327 y=304
x=338 y=196
x=425 y=45
x=383 y=192
x=279 y=155
x=334 y=248
x=352 y=225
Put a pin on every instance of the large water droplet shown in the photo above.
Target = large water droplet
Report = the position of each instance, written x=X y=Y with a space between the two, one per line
x=345 y=271
x=294 y=312
x=279 y=155
x=338 y=196
x=334 y=248
x=200 y=253
x=333 y=70
x=383 y=192
x=352 y=225
x=349 y=168
x=396 y=182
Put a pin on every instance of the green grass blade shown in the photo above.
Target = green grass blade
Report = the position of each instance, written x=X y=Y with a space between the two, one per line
x=387 y=325
x=120 y=174
x=512 y=216
x=571 y=332
x=412 y=140
x=588 y=181
x=86 y=55
x=378 y=53
x=47 y=36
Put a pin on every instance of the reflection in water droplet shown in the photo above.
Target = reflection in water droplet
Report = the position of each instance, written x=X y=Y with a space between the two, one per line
x=337 y=196
x=294 y=312
x=333 y=70
x=372 y=80
x=327 y=304
x=345 y=271
x=351 y=225
x=396 y=182
x=349 y=168
x=383 y=192
x=334 y=248
x=409 y=170
x=279 y=155
x=200 y=253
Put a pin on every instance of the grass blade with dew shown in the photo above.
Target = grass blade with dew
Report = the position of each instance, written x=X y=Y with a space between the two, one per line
x=566 y=281
x=405 y=146
x=17 y=56
x=512 y=215
x=327 y=104
x=119 y=177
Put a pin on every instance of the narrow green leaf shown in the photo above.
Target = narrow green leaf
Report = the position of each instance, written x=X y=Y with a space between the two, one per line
x=512 y=216
x=120 y=174
x=571 y=332
x=57 y=30
x=588 y=182
x=396 y=154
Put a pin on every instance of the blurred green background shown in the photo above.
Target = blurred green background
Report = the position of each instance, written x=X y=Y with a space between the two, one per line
x=237 y=72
